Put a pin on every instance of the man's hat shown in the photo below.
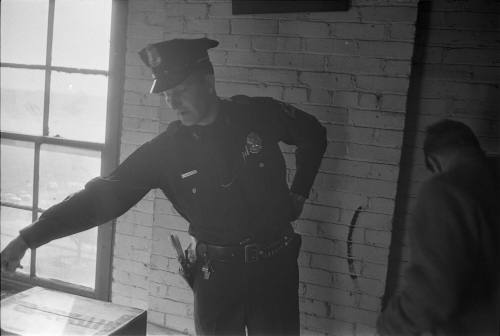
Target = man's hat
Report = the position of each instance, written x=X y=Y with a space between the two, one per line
x=174 y=60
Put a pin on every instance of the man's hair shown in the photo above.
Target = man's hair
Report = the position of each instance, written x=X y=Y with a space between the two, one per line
x=447 y=135
x=204 y=68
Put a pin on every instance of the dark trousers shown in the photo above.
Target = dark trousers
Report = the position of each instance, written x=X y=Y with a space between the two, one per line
x=261 y=297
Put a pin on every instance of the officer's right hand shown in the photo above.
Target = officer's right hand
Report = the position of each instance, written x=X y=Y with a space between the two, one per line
x=12 y=254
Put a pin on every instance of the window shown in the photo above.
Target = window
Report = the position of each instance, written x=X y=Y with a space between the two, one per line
x=57 y=130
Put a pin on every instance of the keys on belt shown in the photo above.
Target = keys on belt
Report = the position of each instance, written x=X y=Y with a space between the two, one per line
x=252 y=252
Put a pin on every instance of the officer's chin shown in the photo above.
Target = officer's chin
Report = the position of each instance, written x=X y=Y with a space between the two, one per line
x=186 y=120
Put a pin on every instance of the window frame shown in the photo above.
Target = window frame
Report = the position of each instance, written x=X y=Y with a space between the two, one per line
x=109 y=151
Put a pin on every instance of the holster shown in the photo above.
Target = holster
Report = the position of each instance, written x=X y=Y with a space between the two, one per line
x=187 y=269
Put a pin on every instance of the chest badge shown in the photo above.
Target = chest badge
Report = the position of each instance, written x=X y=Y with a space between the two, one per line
x=254 y=143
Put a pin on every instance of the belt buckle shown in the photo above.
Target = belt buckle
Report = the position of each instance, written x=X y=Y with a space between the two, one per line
x=251 y=253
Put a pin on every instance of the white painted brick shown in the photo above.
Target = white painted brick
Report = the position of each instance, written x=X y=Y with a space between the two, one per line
x=320 y=96
x=370 y=303
x=388 y=50
x=183 y=324
x=130 y=302
x=171 y=222
x=197 y=25
x=383 y=205
x=388 y=14
x=294 y=94
x=355 y=315
x=253 y=26
x=155 y=317
x=160 y=262
x=220 y=9
x=198 y=10
x=228 y=89
x=351 y=15
x=304 y=28
x=270 y=76
x=382 y=84
x=244 y=58
x=360 y=31
x=300 y=61
x=373 y=271
x=170 y=307
x=375 y=119
x=335 y=327
x=163 y=277
x=126 y=265
x=130 y=291
x=402 y=31
x=314 y=276
x=181 y=294
x=363 y=330
x=354 y=64
x=232 y=41
x=332 y=46
x=137 y=280
x=313 y=307
x=378 y=238
x=327 y=80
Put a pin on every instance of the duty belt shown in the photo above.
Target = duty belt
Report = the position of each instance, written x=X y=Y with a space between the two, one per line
x=248 y=253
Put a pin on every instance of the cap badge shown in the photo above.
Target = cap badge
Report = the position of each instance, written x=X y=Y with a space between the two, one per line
x=254 y=143
x=154 y=58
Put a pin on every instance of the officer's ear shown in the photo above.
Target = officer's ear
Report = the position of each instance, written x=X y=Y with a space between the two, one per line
x=210 y=82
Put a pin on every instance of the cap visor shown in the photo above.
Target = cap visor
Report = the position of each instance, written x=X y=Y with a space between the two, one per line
x=163 y=84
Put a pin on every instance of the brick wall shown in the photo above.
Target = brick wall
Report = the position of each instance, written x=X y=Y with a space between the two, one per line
x=351 y=70
x=456 y=75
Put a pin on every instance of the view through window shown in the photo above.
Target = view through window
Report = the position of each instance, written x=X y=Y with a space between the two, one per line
x=54 y=84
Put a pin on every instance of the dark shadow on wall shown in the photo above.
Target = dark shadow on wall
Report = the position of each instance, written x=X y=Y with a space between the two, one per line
x=407 y=153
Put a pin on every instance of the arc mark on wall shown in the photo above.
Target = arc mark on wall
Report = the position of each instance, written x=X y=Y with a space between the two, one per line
x=350 y=259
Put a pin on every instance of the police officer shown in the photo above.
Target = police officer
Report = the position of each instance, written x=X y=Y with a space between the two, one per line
x=221 y=167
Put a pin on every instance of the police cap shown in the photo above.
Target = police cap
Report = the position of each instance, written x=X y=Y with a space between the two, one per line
x=172 y=61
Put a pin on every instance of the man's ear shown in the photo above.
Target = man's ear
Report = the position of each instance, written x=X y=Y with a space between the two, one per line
x=210 y=82
x=433 y=163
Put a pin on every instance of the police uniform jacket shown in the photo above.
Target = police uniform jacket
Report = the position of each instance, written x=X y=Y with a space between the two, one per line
x=227 y=179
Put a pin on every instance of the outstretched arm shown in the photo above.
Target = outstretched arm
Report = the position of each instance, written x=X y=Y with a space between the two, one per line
x=102 y=199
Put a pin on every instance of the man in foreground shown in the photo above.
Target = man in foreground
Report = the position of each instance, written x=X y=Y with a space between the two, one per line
x=452 y=280
x=221 y=167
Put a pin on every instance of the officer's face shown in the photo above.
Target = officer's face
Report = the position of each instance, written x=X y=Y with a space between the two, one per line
x=191 y=100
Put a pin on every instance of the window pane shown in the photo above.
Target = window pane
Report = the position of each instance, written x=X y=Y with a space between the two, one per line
x=11 y=221
x=21 y=98
x=81 y=34
x=17 y=159
x=78 y=106
x=65 y=170
x=24 y=31
x=71 y=259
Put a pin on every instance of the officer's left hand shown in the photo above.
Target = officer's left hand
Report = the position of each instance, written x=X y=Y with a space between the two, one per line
x=297 y=204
